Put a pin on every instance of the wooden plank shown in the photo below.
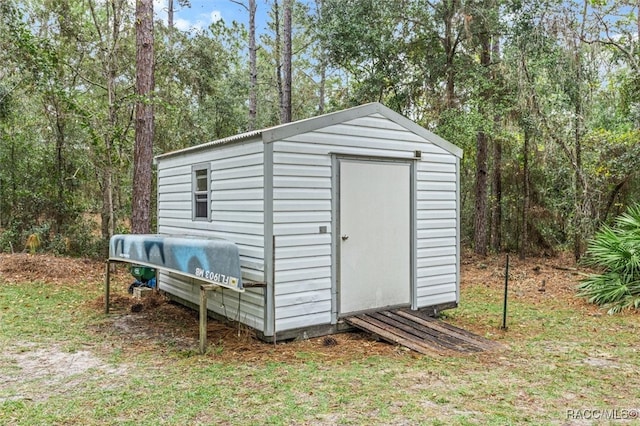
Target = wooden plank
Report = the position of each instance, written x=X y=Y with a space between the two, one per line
x=426 y=333
x=389 y=336
x=471 y=335
x=417 y=331
x=437 y=325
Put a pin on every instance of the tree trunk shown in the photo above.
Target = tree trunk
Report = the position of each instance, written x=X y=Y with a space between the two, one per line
x=579 y=198
x=321 y=91
x=524 y=234
x=170 y=13
x=107 y=215
x=450 y=51
x=286 y=61
x=580 y=183
x=482 y=147
x=253 y=67
x=143 y=150
x=480 y=228
x=322 y=64
x=278 y=54
x=59 y=215
x=496 y=199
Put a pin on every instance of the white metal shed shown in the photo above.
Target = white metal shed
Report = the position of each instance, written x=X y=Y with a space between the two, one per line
x=348 y=212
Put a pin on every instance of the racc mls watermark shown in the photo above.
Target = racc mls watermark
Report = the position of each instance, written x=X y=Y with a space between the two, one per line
x=603 y=414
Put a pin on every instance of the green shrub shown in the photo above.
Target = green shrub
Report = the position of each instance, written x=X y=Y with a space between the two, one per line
x=615 y=251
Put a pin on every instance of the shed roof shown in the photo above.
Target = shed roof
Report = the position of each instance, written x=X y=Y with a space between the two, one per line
x=283 y=131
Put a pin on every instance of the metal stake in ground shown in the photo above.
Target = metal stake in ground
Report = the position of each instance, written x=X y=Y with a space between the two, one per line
x=506 y=287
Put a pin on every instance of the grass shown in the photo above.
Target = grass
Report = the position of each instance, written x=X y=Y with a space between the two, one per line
x=559 y=357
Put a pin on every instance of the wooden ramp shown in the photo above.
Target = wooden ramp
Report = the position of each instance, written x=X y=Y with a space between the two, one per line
x=420 y=332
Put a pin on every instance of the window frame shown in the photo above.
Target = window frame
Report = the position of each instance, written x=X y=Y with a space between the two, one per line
x=197 y=194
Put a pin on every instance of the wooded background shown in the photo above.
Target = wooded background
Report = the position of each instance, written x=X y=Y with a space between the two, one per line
x=542 y=96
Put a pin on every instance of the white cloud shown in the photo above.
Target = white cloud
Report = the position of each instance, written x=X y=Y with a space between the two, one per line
x=183 y=24
x=215 y=16
x=184 y=19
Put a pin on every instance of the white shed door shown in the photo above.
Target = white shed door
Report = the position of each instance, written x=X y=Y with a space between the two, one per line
x=374 y=235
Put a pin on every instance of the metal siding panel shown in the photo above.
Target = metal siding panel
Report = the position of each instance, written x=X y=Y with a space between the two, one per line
x=173 y=180
x=241 y=166
x=237 y=183
x=437 y=299
x=237 y=194
x=299 y=160
x=436 y=214
x=301 y=310
x=245 y=171
x=436 y=186
x=211 y=150
x=239 y=205
x=437 y=205
x=436 y=270
x=374 y=139
x=303 y=251
x=436 y=280
x=432 y=176
x=302 y=217
x=173 y=171
x=429 y=159
x=301 y=182
x=237 y=227
x=184 y=197
x=174 y=205
x=302 y=193
x=180 y=188
x=300 y=321
x=436 y=195
x=437 y=251
x=281 y=229
x=304 y=240
x=269 y=245
x=347 y=146
x=255 y=252
x=436 y=223
x=429 y=262
x=227 y=303
x=294 y=158
x=235 y=162
x=436 y=242
x=172 y=227
x=298 y=263
x=427 y=167
x=176 y=214
x=458 y=250
x=296 y=277
x=237 y=216
x=301 y=205
x=436 y=289
x=309 y=285
x=302 y=170
x=293 y=299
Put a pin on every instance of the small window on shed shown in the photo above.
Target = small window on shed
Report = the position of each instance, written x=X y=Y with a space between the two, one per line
x=201 y=192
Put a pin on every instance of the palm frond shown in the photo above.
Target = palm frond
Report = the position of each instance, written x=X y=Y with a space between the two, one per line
x=616 y=252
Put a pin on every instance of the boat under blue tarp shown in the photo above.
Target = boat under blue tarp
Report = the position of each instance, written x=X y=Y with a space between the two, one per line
x=215 y=261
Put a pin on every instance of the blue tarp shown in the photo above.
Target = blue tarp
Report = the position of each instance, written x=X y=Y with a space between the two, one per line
x=211 y=260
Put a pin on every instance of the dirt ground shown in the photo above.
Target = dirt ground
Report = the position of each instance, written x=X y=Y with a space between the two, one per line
x=157 y=322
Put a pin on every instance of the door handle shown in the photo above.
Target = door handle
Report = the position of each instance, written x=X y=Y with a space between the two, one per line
x=345 y=237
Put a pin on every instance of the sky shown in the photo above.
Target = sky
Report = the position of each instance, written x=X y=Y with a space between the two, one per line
x=203 y=13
